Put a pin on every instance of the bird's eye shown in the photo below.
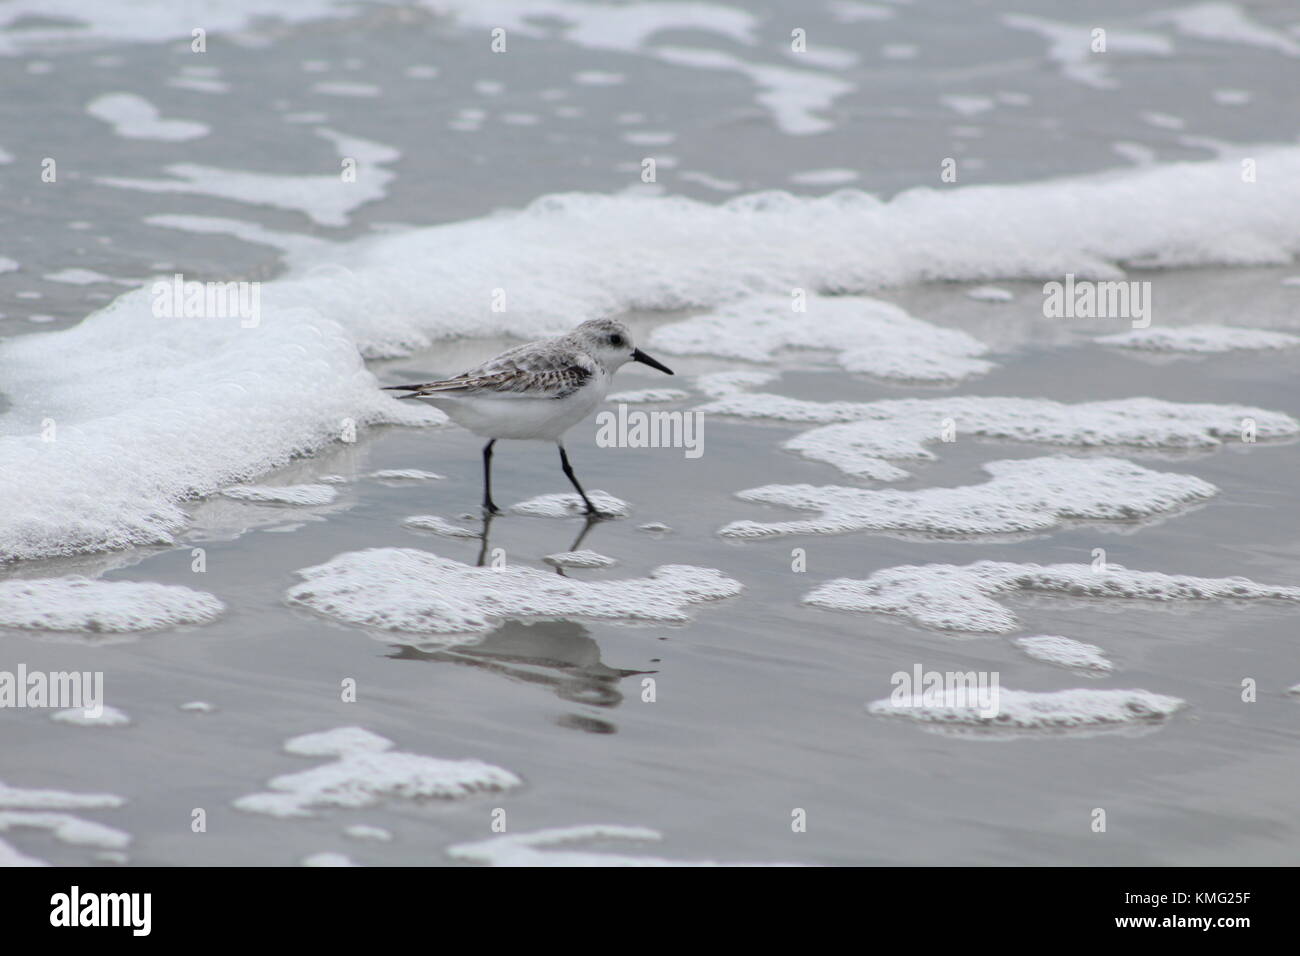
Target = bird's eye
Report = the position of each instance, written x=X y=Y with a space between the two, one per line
x=617 y=341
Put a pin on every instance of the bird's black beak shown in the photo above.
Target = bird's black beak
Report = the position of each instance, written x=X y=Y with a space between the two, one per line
x=639 y=356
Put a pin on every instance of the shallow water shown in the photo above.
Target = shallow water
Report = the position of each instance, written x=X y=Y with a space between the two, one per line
x=760 y=700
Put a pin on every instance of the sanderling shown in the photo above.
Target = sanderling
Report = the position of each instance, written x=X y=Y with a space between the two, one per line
x=536 y=392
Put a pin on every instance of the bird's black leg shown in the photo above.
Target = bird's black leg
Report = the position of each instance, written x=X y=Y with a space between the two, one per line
x=573 y=479
x=488 y=504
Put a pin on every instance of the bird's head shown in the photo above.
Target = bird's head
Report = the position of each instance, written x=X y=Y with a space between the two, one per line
x=610 y=343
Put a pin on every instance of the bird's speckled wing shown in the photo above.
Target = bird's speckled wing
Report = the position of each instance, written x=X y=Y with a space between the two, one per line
x=527 y=372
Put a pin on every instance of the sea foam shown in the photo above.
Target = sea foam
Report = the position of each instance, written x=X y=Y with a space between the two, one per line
x=866 y=439
x=1064 y=652
x=92 y=462
x=402 y=589
x=866 y=335
x=365 y=770
x=1201 y=338
x=1025 y=495
x=82 y=604
x=552 y=847
x=964 y=597
x=38 y=809
x=1063 y=711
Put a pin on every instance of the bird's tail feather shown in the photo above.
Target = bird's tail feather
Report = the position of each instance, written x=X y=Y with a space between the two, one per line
x=420 y=391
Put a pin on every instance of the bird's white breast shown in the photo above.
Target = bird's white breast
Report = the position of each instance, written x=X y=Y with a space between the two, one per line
x=517 y=415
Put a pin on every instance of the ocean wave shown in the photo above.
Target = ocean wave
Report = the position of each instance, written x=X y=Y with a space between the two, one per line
x=114 y=423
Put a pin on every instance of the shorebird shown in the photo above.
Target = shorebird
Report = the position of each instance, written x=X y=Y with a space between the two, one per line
x=536 y=392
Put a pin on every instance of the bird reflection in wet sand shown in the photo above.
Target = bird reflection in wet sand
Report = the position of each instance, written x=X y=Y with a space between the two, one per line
x=555 y=654
x=587 y=525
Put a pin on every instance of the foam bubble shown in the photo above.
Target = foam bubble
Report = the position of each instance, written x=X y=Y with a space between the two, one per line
x=37 y=809
x=968 y=105
x=82 y=604
x=346 y=89
x=963 y=597
x=283 y=494
x=1226 y=23
x=1064 y=652
x=328 y=859
x=824 y=177
x=406 y=474
x=290 y=242
x=579 y=559
x=546 y=848
x=568 y=504
x=852 y=11
x=199 y=85
x=1163 y=120
x=440 y=526
x=989 y=293
x=708 y=181
x=15 y=798
x=325 y=198
x=367 y=770
x=1061 y=711
x=362 y=831
x=647 y=396
x=402 y=589
x=78 y=277
x=1024 y=496
x=869 y=436
x=1232 y=97
x=66 y=828
x=649 y=138
x=795 y=98
x=1069 y=46
x=134 y=117
x=74 y=22
x=111 y=717
x=723 y=384
x=867 y=336
x=1200 y=338
x=338 y=742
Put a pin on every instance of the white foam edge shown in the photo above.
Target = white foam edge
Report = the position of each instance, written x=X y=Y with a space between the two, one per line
x=866 y=439
x=407 y=590
x=298 y=374
x=1081 y=709
x=1023 y=496
x=969 y=598
x=366 y=770
x=86 y=605
x=547 y=848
